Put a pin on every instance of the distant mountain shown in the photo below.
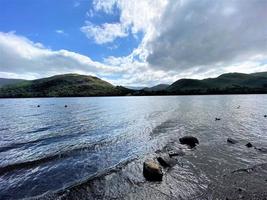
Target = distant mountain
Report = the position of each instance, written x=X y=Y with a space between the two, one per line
x=134 y=87
x=229 y=83
x=63 y=86
x=69 y=85
x=6 y=81
x=156 y=88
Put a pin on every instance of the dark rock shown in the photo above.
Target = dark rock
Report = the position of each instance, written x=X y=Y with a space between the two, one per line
x=176 y=153
x=232 y=141
x=189 y=140
x=152 y=171
x=166 y=161
x=262 y=149
x=38 y=106
x=66 y=106
x=265 y=115
x=249 y=145
x=217 y=119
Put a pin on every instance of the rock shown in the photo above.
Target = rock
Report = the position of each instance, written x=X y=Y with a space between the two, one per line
x=262 y=149
x=152 y=171
x=232 y=141
x=265 y=115
x=166 y=161
x=249 y=145
x=176 y=153
x=217 y=119
x=38 y=106
x=189 y=140
x=66 y=106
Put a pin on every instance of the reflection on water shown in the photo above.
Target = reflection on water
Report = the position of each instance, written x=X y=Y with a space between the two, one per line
x=51 y=147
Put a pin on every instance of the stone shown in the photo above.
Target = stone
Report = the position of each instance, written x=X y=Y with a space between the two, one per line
x=189 y=140
x=166 y=161
x=152 y=171
x=249 y=145
x=232 y=141
x=262 y=149
x=176 y=153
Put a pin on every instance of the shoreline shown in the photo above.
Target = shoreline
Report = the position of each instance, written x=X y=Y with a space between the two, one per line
x=185 y=180
x=174 y=95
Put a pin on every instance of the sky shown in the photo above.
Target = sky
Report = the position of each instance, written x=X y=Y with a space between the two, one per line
x=132 y=43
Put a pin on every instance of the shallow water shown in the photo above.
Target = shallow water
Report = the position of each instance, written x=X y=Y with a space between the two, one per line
x=49 y=148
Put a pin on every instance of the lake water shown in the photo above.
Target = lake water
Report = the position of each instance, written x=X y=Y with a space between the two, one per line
x=48 y=148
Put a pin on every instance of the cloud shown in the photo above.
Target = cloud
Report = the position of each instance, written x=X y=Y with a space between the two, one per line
x=22 y=58
x=19 y=55
x=209 y=34
x=134 y=17
x=190 y=38
x=105 y=33
x=61 y=32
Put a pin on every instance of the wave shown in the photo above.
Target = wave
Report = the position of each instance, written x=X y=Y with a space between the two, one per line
x=49 y=158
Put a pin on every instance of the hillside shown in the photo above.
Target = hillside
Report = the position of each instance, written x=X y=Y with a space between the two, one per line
x=156 y=88
x=63 y=86
x=69 y=85
x=224 y=84
x=6 y=81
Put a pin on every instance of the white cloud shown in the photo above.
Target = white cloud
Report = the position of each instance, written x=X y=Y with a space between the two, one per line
x=104 y=33
x=135 y=16
x=22 y=58
x=61 y=32
x=20 y=55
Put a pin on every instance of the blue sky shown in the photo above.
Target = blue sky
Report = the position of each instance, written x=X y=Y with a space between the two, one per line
x=40 y=21
x=129 y=42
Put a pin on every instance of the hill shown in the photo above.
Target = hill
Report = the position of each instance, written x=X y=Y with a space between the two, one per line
x=66 y=85
x=230 y=83
x=70 y=85
x=6 y=81
x=156 y=88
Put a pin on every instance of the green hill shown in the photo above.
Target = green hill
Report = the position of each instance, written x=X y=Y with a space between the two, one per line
x=156 y=88
x=66 y=85
x=224 y=84
x=70 y=85
x=7 y=81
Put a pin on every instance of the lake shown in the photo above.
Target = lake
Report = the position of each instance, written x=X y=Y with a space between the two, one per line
x=48 y=148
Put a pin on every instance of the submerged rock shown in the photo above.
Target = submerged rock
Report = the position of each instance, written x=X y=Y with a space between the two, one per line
x=189 y=140
x=232 y=141
x=176 y=153
x=152 y=171
x=166 y=161
x=249 y=145
x=262 y=149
